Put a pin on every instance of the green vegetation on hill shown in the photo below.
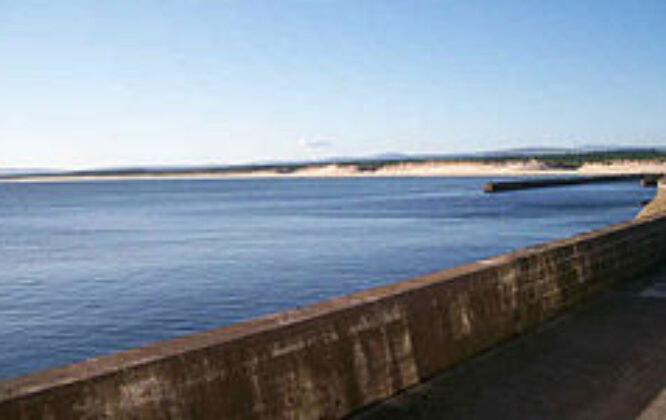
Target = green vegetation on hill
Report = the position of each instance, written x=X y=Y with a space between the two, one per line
x=572 y=160
x=554 y=160
x=577 y=159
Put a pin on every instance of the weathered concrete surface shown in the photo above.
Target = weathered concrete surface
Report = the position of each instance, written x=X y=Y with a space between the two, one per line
x=605 y=360
x=332 y=358
x=658 y=204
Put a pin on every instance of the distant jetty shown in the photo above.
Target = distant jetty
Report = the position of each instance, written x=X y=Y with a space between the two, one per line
x=501 y=186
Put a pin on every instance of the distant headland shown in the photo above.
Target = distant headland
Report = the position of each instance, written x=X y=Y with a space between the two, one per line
x=527 y=162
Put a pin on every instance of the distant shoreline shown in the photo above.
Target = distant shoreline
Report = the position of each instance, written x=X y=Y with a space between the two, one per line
x=531 y=167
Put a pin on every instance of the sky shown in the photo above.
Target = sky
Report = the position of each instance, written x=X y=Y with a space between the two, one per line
x=87 y=84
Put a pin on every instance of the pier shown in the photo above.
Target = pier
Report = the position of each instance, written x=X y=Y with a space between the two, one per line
x=501 y=186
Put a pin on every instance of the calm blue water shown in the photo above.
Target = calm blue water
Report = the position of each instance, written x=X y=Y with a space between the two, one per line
x=94 y=267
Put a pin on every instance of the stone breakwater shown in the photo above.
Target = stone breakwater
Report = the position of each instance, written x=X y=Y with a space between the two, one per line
x=658 y=204
x=495 y=187
x=332 y=358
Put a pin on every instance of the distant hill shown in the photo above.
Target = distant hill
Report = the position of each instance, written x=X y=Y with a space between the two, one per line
x=566 y=158
x=529 y=151
x=25 y=171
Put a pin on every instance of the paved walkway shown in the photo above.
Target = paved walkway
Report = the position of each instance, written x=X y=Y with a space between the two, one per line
x=604 y=360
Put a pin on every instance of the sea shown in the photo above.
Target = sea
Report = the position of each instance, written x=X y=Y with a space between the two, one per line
x=90 y=268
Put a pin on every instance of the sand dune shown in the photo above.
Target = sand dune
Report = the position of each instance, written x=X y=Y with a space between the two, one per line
x=435 y=168
x=471 y=168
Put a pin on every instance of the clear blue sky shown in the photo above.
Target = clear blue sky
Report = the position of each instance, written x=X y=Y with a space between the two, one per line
x=99 y=83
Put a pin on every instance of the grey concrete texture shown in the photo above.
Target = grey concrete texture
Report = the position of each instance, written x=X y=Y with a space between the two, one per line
x=603 y=360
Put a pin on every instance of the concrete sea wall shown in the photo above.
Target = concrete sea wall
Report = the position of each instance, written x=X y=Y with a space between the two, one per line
x=329 y=359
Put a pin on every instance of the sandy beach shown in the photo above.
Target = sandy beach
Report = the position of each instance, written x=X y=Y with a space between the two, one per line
x=401 y=169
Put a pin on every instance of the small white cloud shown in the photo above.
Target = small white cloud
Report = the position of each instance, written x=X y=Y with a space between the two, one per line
x=314 y=143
